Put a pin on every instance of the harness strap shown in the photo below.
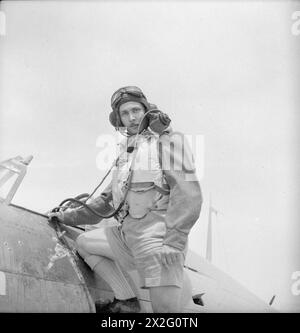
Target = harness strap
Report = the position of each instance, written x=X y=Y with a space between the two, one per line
x=145 y=186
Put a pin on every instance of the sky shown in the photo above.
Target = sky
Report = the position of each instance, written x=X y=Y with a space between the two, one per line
x=225 y=72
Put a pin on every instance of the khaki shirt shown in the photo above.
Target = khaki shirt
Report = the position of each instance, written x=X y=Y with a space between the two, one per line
x=185 y=199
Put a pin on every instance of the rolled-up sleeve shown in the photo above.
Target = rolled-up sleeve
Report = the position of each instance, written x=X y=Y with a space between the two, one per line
x=185 y=193
x=82 y=215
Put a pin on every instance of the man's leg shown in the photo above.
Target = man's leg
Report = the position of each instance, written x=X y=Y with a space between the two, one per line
x=95 y=242
x=119 y=281
x=94 y=248
x=165 y=299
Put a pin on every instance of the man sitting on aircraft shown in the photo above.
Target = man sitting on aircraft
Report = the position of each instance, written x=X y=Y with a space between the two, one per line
x=159 y=205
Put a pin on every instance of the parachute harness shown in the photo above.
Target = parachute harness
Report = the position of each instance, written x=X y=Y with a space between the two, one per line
x=80 y=200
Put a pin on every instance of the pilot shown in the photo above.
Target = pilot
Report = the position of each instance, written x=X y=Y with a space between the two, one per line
x=155 y=184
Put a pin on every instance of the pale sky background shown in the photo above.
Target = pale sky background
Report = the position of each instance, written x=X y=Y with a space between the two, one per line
x=227 y=71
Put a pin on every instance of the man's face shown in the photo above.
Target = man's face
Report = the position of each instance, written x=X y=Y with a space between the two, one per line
x=131 y=114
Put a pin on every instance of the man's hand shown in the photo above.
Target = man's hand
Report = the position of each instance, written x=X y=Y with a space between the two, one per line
x=57 y=215
x=170 y=255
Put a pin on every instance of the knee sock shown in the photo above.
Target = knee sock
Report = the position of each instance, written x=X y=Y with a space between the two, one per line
x=113 y=275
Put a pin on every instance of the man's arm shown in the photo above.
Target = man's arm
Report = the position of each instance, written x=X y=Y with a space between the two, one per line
x=82 y=215
x=185 y=192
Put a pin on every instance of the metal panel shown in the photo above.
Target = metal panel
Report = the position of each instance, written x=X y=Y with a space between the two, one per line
x=30 y=294
x=39 y=272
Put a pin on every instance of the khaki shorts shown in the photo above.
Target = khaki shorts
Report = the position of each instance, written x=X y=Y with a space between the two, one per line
x=137 y=245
